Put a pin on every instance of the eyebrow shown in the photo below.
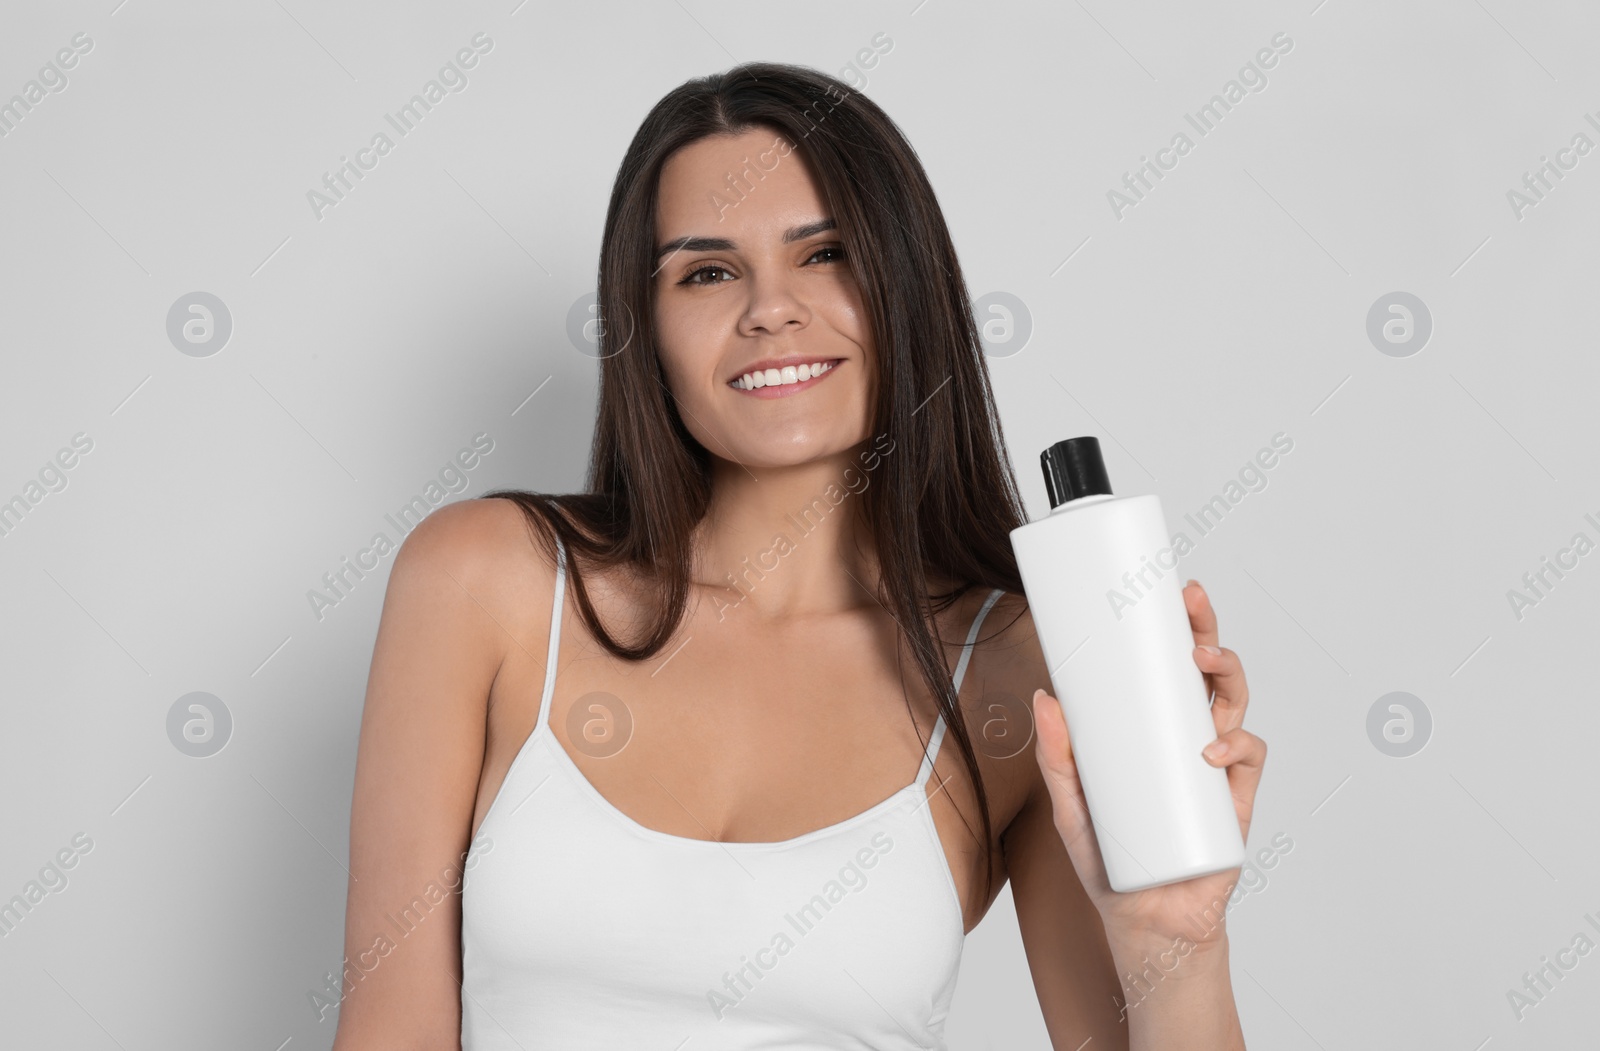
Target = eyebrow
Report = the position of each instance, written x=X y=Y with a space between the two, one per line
x=722 y=244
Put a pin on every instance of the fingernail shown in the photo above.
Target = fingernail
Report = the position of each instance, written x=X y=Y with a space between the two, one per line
x=1192 y=583
x=1214 y=651
x=1216 y=750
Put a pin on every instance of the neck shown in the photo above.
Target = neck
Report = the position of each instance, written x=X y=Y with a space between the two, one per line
x=788 y=541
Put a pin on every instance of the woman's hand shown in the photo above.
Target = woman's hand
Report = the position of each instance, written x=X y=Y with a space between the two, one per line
x=1159 y=915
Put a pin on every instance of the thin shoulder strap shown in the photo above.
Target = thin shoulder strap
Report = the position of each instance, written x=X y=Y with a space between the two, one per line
x=935 y=739
x=555 y=637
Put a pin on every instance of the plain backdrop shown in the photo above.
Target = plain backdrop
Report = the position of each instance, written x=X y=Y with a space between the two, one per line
x=1339 y=258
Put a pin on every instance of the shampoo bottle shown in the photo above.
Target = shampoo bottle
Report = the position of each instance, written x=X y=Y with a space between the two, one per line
x=1100 y=577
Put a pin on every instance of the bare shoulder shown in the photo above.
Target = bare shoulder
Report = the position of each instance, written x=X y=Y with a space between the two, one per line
x=489 y=549
x=1005 y=668
x=475 y=538
x=1007 y=647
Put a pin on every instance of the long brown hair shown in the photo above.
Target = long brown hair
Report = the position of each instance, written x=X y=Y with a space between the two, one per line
x=945 y=498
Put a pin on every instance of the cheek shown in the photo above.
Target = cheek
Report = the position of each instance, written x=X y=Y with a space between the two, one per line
x=674 y=333
x=848 y=316
x=839 y=303
x=689 y=349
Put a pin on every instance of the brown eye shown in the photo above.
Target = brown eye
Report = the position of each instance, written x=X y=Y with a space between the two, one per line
x=690 y=278
x=837 y=249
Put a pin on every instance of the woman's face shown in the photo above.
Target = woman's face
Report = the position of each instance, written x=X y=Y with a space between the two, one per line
x=758 y=287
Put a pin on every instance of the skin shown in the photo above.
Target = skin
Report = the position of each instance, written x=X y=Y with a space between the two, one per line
x=787 y=744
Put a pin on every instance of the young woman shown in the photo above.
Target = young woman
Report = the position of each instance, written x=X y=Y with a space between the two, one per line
x=662 y=735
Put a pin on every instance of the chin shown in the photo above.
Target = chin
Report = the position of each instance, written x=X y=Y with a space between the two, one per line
x=796 y=454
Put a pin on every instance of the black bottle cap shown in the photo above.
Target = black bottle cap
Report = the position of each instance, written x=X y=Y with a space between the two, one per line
x=1074 y=468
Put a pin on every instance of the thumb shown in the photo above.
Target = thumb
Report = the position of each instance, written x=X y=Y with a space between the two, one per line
x=1054 y=751
x=1055 y=741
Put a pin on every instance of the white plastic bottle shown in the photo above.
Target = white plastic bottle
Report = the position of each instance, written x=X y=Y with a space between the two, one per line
x=1107 y=601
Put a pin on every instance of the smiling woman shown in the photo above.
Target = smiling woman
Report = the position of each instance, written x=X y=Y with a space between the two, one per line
x=676 y=763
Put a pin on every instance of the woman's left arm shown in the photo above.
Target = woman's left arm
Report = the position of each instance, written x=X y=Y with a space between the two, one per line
x=1168 y=944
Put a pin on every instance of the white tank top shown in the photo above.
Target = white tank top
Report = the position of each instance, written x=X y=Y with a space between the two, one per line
x=581 y=928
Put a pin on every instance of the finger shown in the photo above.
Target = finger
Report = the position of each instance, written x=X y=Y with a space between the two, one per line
x=1244 y=757
x=1225 y=676
x=1202 y=622
x=1202 y=618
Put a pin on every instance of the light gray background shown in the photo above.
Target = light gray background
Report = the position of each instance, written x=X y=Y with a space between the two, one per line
x=432 y=304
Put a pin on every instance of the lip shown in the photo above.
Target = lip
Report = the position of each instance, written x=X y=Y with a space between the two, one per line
x=787 y=389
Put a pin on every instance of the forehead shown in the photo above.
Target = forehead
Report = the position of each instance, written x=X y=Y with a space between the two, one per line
x=771 y=184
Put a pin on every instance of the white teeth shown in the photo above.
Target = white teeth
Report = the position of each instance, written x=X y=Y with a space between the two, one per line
x=778 y=377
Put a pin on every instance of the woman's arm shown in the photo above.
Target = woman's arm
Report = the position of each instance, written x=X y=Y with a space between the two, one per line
x=1074 y=973
x=417 y=769
x=1160 y=955
x=1126 y=994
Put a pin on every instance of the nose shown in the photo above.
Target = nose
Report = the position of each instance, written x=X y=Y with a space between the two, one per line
x=773 y=305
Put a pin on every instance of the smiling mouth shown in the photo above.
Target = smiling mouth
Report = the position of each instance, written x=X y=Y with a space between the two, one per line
x=790 y=377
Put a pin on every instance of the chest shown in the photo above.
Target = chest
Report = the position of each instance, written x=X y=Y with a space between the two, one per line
x=742 y=733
